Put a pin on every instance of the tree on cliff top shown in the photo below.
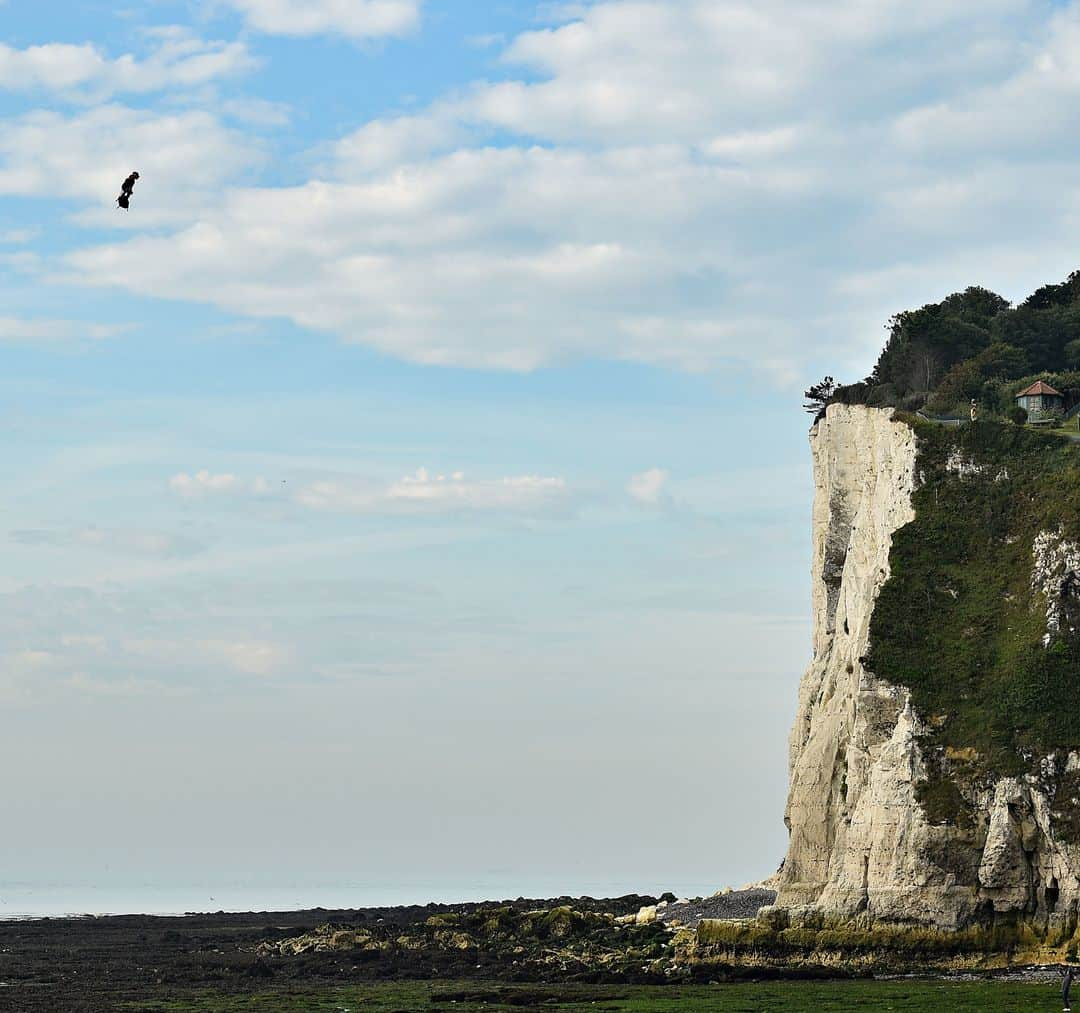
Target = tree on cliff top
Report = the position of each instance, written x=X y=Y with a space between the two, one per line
x=818 y=397
x=926 y=342
x=969 y=345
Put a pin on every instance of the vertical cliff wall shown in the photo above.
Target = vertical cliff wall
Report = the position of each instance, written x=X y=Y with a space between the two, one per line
x=902 y=815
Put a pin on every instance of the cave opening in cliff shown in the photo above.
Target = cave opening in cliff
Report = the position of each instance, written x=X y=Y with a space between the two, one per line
x=1051 y=896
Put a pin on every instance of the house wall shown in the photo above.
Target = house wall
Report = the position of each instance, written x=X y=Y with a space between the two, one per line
x=1040 y=403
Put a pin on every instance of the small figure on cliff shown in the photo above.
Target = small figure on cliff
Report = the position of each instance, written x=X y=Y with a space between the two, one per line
x=126 y=190
x=974 y=410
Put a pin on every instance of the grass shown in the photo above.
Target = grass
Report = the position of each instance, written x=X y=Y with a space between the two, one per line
x=1070 y=431
x=791 y=996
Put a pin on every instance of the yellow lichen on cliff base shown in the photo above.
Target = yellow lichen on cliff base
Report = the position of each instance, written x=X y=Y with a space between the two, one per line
x=860 y=946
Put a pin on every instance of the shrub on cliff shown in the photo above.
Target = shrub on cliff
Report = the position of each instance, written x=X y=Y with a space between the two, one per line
x=1017 y=415
x=1072 y=354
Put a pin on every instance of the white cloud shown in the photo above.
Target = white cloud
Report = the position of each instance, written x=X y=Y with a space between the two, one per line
x=120 y=541
x=23 y=671
x=179 y=60
x=384 y=144
x=150 y=639
x=245 y=657
x=34 y=660
x=16 y=237
x=648 y=486
x=183 y=158
x=258 y=112
x=19 y=330
x=24 y=262
x=505 y=258
x=751 y=144
x=93 y=642
x=1006 y=116
x=357 y=19
x=632 y=71
x=203 y=483
x=424 y=492
x=419 y=493
x=81 y=682
x=693 y=184
x=485 y=41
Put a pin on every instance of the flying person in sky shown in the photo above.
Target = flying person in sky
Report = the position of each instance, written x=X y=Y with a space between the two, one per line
x=126 y=190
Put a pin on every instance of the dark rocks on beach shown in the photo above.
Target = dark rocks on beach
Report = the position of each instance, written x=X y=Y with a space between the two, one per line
x=93 y=964
x=733 y=904
x=86 y=965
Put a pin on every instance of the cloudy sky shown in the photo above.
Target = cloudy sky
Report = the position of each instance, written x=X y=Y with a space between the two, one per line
x=408 y=496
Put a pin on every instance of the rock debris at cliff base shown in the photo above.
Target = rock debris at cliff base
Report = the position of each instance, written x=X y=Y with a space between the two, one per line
x=728 y=905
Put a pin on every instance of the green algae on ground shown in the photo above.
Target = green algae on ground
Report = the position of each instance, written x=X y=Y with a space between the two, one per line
x=746 y=997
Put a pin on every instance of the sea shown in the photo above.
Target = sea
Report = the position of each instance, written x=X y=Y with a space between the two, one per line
x=55 y=900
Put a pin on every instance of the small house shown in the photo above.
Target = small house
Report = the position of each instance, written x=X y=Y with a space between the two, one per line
x=1041 y=399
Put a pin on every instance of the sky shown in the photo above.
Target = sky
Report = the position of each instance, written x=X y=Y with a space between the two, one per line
x=408 y=497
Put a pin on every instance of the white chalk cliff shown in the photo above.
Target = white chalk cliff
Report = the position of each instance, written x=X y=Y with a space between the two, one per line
x=860 y=843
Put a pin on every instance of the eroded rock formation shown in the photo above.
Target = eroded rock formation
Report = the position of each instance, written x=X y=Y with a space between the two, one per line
x=861 y=843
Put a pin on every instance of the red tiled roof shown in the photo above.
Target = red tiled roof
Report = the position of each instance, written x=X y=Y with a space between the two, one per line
x=1038 y=387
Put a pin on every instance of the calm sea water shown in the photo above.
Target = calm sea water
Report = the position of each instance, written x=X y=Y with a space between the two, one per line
x=46 y=900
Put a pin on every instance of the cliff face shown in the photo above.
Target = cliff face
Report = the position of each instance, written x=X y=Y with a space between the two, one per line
x=869 y=833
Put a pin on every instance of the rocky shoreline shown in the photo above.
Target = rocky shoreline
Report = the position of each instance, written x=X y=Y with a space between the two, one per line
x=95 y=963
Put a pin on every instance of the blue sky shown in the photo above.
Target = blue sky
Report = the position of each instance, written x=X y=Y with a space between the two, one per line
x=413 y=481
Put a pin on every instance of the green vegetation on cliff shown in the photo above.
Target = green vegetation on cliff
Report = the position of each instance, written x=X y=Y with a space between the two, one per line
x=961 y=623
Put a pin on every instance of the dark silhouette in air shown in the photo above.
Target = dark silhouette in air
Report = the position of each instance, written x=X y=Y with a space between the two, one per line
x=126 y=190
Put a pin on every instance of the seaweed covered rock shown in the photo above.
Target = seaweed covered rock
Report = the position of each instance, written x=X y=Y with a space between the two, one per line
x=558 y=942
